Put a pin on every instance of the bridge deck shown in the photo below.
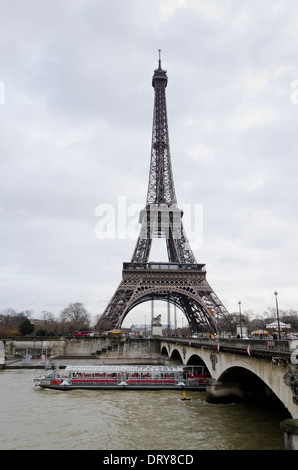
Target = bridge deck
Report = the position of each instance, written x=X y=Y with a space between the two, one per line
x=264 y=348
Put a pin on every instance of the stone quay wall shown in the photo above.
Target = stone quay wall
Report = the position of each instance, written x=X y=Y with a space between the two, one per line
x=83 y=348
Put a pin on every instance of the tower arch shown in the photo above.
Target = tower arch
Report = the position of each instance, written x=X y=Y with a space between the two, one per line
x=181 y=297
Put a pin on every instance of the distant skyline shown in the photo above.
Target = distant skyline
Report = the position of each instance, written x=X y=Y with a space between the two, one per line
x=76 y=108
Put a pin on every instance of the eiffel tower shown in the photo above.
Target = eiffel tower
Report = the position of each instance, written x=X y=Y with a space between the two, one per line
x=181 y=281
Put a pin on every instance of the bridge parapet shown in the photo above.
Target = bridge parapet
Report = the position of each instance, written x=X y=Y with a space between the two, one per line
x=258 y=347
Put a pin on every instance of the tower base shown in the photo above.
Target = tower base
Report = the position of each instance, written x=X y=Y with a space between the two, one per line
x=183 y=285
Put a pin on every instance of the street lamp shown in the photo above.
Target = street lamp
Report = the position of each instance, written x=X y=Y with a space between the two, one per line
x=277 y=314
x=240 y=319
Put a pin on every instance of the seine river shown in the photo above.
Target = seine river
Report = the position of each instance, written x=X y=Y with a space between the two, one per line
x=36 y=419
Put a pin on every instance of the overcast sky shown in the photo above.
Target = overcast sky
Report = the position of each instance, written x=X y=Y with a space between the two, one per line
x=75 y=138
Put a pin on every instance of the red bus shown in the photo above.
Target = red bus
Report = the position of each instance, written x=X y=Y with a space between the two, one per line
x=88 y=334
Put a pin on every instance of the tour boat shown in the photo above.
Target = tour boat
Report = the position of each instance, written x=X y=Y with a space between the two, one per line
x=138 y=377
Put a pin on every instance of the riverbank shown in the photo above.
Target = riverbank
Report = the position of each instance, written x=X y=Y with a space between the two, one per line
x=31 y=353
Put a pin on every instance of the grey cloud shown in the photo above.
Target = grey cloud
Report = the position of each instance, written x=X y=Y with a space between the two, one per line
x=75 y=132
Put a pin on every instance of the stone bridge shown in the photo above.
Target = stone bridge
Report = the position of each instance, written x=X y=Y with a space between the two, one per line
x=243 y=369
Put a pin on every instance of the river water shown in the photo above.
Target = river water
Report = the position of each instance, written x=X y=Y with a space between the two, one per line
x=37 y=419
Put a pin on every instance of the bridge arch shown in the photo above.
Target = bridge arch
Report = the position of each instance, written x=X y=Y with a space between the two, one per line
x=173 y=354
x=176 y=356
x=186 y=354
x=255 y=382
x=251 y=385
x=195 y=360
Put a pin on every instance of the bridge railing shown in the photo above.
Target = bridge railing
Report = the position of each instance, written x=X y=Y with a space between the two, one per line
x=282 y=347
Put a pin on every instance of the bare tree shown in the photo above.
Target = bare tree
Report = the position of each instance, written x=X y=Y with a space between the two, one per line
x=49 y=322
x=75 y=317
x=7 y=316
x=102 y=325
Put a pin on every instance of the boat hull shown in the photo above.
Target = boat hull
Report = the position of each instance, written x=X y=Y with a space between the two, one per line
x=63 y=387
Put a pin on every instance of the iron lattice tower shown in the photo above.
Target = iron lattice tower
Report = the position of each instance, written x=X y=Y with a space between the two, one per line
x=181 y=281
x=161 y=217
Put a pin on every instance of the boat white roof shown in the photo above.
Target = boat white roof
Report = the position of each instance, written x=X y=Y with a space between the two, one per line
x=123 y=368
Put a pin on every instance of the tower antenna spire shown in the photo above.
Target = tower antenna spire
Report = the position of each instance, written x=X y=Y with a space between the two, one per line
x=159 y=58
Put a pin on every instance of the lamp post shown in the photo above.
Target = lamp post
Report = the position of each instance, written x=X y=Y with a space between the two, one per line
x=240 y=319
x=277 y=314
x=152 y=315
x=175 y=319
x=169 y=318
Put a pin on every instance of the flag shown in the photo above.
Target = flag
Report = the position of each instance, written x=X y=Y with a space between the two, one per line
x=249 y=350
